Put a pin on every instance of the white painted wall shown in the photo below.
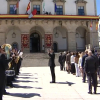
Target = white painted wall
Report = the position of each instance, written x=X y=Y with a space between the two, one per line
x=3 y=7
x=23 y=6
x=70 y=7
x=90 y=7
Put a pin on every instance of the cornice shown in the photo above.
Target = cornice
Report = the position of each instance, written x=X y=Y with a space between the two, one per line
x=59 y=1
x=12 y=0
x=36 y=0
x=80 y=1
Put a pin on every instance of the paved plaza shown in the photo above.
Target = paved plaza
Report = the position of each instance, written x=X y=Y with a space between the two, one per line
x=33 y=84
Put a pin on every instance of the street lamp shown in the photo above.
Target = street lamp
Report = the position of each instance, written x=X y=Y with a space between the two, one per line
x=13 y=35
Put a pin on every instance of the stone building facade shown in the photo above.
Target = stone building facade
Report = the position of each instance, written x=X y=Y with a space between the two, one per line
x=68 y=31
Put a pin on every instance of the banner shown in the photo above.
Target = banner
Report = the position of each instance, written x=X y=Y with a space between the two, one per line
x=25 y=40
x=48 y=40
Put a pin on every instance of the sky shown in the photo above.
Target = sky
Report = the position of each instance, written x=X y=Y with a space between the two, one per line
x=98 y=7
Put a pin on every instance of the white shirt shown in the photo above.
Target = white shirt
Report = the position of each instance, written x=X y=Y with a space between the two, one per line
x=80 y=61
x=72 y=59
x=21 y=54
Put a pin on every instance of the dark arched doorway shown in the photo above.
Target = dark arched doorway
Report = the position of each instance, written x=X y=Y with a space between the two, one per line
x=55 y=47
x=35 y=42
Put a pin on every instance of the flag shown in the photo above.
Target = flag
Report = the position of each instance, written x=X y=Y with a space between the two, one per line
x=28 y=7
x=44 y=7
x=16 y=6
x=55 y=7
x=91 y=25
x=96 y=26
x=33 y=13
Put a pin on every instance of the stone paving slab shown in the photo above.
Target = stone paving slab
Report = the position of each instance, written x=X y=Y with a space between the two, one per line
x=33 y=84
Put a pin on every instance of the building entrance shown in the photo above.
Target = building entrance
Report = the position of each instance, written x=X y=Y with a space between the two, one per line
x=34 y=42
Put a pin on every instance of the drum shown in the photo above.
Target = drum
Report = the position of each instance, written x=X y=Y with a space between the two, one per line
x=10 y=72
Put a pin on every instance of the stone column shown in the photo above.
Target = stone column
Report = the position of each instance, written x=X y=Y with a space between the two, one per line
x=2 y=38
x=94 y=39
x=71 y=41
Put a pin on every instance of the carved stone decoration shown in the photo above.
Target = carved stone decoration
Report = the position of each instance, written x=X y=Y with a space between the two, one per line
x=6 y=21
x=59 y=1
x=80 y=1
x=12 y=22
x=36 y=22
x=42 y=21
x=60 y=23
x=82 y=23
x=70 y=21
x=76 y=22
x=36 y=0
x=87 y=23
x=0 y=22
x=12 y=0
x=54 y=21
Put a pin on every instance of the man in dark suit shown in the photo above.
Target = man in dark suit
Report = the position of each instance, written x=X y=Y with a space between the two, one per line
x=90 y=67
x=83 y=60
x=52 y=64
x=60 y=61
x=3 y=65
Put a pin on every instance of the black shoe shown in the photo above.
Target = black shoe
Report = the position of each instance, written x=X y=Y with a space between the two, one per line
x=94 y=93
x=5 y=93
x=83 y=81
x=89 y=92
x=52 y=82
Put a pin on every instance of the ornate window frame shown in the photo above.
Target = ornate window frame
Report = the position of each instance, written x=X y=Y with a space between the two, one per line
x=12 y=2
x=81 y=3
x=60 y=3
x=36 y=2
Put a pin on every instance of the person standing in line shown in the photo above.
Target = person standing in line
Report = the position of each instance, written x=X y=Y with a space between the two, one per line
x=79 y=64
x=52 y=64
x=64 y=60
x=68 y=67
x=90 y=67
x=72 y=63
x=76 y=64
x=60 y=61
x=83 y=60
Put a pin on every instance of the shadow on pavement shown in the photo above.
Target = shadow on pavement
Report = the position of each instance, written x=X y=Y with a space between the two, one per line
x=69 y=83
x=25 y=95
x=18 y=86
x=17 y=81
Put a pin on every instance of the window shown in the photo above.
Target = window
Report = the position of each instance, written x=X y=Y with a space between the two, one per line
x=12 y=10
x=81 y=10
x=59 y=10
x=37 y=7
x=15 y=45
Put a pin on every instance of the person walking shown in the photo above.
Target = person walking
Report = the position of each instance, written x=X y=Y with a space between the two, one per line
x=90 y=67
x=60 y=61
x=52 y=64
